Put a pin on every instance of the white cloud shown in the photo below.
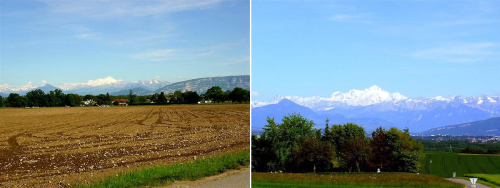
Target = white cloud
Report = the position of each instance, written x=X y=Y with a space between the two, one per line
x=155 y=55
x=356 y=18
x=88 y=36
x=119 y=8
x=255 y=93
x=459 y=53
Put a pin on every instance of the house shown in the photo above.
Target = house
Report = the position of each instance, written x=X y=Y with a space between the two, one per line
x=89 y=102
x=122 y=102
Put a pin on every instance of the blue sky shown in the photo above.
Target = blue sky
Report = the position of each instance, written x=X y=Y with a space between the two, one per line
x=76 y=41
x=417 y=48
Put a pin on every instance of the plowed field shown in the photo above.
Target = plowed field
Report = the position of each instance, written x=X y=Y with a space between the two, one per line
x=52 y=147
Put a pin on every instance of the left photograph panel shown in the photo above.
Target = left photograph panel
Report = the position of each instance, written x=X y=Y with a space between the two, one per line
x=124 y=93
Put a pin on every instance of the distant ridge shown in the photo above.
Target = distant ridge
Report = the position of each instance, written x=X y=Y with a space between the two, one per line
x=136 y=91
x=485 y=127
x=201 y=85
x=141 y=87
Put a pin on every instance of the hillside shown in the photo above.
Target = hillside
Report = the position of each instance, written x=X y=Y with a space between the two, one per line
x=485 y=127
x=137 y=91
x=285 y=107
x=201 y=85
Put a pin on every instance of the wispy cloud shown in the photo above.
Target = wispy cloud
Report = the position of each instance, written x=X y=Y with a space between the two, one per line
x=356 y=18
x=232 y=61
x=459 y=53
x=465 y=22
x=88 y=36
x=155 y=55
x=119 y=8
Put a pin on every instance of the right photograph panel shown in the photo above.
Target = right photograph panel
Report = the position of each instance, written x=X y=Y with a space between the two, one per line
x=375 y=94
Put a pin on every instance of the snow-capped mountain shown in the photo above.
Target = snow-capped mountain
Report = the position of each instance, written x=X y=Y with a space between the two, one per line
x=97 y=86
x=418 y=114
x=375 y=96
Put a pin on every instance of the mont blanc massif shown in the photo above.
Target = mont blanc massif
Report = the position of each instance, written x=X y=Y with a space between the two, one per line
x=374 y=107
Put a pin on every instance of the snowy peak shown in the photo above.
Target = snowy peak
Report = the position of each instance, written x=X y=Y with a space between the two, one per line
x=385 y=100
x=372 y=95
x=9 y=88
x=103 y=81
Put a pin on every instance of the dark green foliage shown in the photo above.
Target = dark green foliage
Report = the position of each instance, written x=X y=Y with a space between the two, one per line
x=70 y=100
x=162 y=99
x=274 y=148
x=314 y=153
x=1 y=101
x=215 y=94
x=295 y=146
x=474 y=150
x=132 y=98
x=382 y=153
x=15 y=100
x=191 y=97
x=36 y=98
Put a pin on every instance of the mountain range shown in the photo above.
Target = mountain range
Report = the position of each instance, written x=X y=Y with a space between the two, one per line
x=484 y=127
x=141 y=87
x=375 y=107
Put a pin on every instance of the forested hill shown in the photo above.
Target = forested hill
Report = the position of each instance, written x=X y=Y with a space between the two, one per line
x=485 y=127
x=201 y=85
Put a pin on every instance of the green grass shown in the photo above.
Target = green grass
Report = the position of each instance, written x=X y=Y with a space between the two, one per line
x=491 y=179
x=388 y=180
x=157 y=176
x=445 y=163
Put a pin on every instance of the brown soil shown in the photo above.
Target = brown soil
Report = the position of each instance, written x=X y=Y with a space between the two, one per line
x=57 y=147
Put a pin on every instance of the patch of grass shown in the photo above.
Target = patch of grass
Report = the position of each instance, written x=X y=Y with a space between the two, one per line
x=156 y=176
x=491 y=179
x=350 y=180
x=445 y=163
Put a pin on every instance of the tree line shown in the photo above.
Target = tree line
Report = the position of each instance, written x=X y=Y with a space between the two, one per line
x=296 y=146
x=41 y=99
x=57 y=98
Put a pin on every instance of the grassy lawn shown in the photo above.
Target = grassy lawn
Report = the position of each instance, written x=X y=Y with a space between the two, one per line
x=349 y=180
x=445 y=163
x=490 y=179
x=157 y=176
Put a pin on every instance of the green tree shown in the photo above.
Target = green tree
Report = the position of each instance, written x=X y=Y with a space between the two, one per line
x=178 y=97
x=78 y=99
x=131 y=97
x=191 y=97
x=351 y=147
x=107 y=98
x=381 y=152
x=60 y=97
x=142 y=99
x=1 y=101
x=162 y=99
x=239 y=95
x=70 y=100
x=406 y=151
x=314 y=152
x=15 y=100
x=154 y=98
x=36 y=98
x=215 y=94
x=88 y=97
x=285 y=137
